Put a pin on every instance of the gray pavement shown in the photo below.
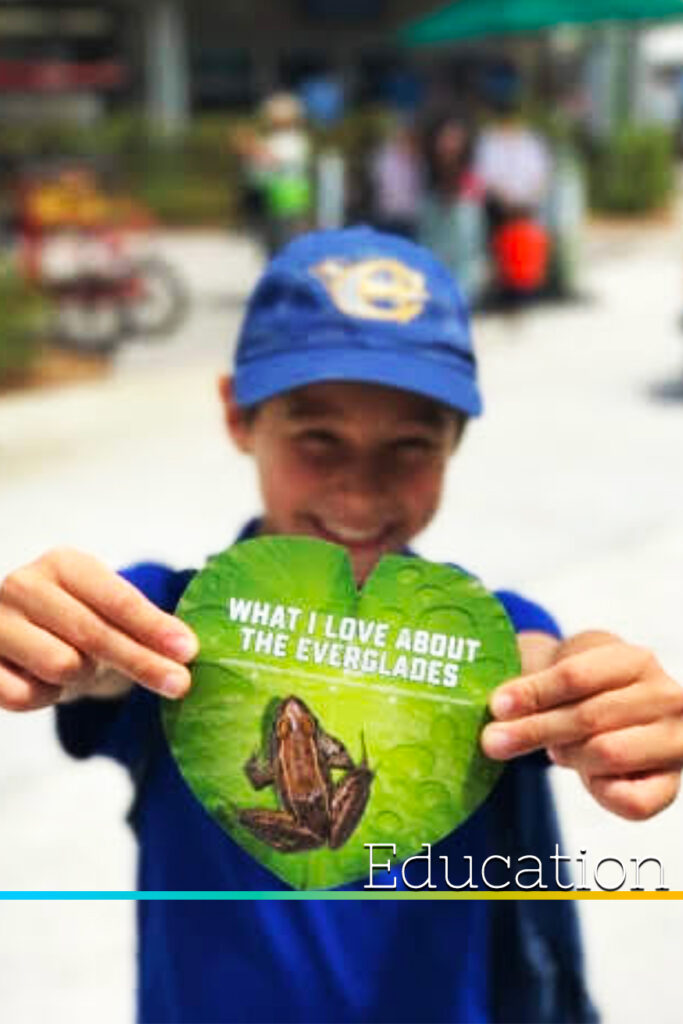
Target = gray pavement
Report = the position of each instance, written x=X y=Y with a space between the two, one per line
x=570 y=489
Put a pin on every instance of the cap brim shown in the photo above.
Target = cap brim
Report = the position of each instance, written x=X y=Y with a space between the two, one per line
x=261 y=379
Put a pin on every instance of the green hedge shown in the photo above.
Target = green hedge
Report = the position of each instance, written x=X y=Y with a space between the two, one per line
x=22 y=324
x=634 y=171
x=192 y=180
x=196 y=179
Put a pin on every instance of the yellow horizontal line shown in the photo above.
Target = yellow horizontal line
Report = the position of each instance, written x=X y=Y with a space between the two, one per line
x=517 y=894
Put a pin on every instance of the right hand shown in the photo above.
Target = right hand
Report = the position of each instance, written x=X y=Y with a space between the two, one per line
x=70 y=627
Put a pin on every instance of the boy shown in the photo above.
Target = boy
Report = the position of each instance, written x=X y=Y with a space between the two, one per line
x=354 y=378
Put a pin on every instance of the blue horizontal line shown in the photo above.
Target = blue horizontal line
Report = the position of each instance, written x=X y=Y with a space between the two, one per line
x=189 y=894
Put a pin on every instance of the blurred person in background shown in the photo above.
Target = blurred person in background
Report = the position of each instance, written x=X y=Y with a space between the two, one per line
x=514 y=164
x=398 y=181
x=452 y=221
x=511 y=159
x=277 y=170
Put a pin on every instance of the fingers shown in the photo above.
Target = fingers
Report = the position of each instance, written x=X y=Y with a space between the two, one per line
x=642 y=748
x=122 y=605
x=18 y=692
x=609 y=712
x=41 y=654
x=607 y=667
x=65 y=616
x=606 y=689
x=56 y=611
x=637 y=704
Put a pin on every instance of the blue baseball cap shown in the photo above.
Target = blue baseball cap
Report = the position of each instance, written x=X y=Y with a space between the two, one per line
x=357 y=305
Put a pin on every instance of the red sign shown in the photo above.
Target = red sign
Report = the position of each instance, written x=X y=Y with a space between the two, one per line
x=61 y=76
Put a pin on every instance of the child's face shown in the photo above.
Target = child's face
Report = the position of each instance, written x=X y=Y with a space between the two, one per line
x=356 y=464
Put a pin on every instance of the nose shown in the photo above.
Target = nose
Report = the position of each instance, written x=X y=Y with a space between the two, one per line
x=362 y=486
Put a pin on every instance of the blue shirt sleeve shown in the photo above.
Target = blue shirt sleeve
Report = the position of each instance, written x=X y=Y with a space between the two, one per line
x=526 y=615
x=122 y=728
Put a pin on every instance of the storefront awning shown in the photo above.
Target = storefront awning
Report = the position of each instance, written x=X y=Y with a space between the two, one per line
x=475 y=19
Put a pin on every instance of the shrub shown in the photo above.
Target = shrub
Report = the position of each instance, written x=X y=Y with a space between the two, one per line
x=634 y=171
x=181 y=196
x=24 y=318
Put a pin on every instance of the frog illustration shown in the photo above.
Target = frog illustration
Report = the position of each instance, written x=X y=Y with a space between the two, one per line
x=314 y=810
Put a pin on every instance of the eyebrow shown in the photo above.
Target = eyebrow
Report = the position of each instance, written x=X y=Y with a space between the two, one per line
x=432 y=415
x=299 y=407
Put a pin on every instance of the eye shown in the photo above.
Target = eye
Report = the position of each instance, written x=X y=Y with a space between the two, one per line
x=307 y=726
x=283 y=729
x=414 y=446
x=318 y=442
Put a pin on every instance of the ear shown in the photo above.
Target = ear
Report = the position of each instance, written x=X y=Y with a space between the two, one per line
x=236 y=422
x=461 y=423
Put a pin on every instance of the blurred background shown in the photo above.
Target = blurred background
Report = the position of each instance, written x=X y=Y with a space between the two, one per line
x=152 y=154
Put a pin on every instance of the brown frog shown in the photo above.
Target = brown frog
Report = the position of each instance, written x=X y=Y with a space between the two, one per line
x=315 y=811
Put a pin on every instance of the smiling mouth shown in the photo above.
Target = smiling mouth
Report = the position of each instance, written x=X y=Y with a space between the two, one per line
x=346 y=536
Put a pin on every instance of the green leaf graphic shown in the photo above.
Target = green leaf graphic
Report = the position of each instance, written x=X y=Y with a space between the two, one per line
x=435 y=644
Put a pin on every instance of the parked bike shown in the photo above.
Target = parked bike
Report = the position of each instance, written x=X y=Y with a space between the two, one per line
x=95 y=259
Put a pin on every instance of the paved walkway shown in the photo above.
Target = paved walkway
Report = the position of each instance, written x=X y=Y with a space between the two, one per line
x=570 y=489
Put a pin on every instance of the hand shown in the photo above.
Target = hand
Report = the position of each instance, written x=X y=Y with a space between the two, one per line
x=610 y=712
x=70 y=627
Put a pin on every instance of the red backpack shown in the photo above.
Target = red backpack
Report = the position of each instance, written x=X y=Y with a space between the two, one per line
x=521 y=251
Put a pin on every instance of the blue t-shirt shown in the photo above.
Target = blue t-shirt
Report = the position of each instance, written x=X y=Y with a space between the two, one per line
x=317 y=961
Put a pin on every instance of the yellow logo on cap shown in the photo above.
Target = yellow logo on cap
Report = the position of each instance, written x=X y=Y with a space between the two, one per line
x=379 y=289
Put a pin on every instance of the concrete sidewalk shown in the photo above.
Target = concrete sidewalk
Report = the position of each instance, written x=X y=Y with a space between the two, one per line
x=570 y=490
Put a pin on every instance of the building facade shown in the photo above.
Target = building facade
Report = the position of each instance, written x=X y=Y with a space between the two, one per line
x=178 y=56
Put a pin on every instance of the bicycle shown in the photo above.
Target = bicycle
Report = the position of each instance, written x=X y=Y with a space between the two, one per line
x=93 y=258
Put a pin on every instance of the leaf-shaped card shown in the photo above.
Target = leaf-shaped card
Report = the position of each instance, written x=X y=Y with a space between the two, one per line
x=322 y=718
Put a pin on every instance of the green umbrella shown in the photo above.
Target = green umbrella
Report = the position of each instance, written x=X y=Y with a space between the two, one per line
x=472 y=19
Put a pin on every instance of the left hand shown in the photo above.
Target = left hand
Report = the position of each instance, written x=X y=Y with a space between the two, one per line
x=610 y=711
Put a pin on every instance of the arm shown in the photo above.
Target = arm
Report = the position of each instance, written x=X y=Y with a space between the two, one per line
x=71 y=628
x=601 y=706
